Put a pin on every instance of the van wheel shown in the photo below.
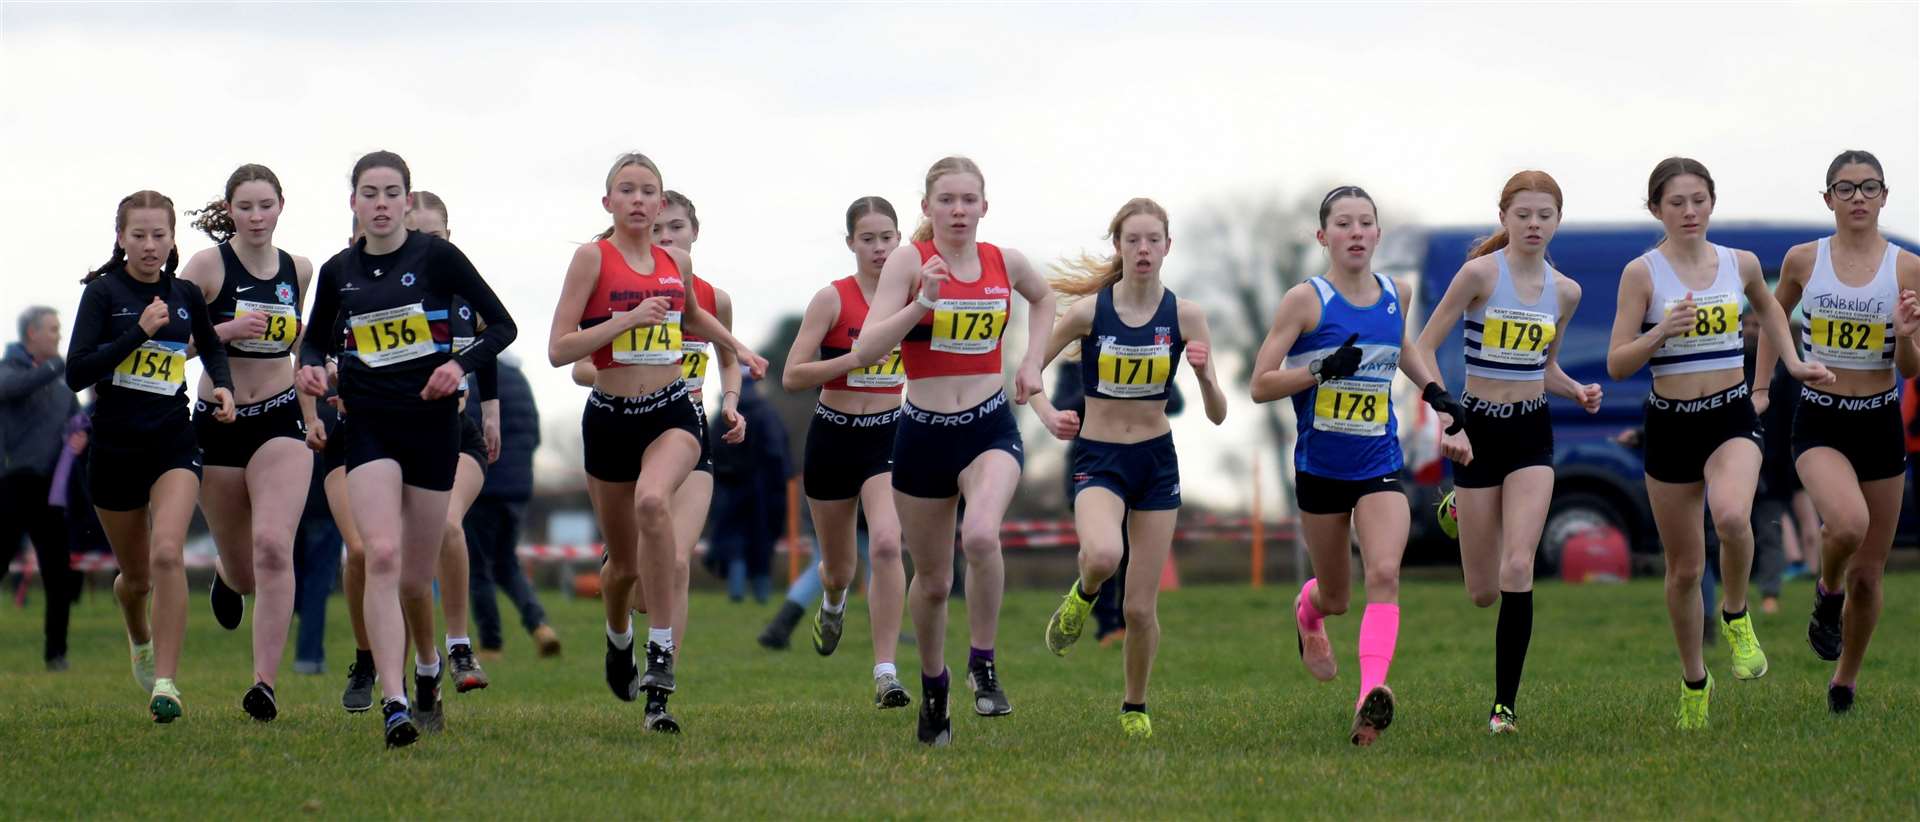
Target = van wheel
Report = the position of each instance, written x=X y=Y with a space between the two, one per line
x=1568 y=515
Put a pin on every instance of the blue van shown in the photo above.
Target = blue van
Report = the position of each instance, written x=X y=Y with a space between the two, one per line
x=1595 y=477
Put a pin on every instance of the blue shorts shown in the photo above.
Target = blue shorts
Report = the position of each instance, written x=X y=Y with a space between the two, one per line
x=1144 y=475
x=930 y=450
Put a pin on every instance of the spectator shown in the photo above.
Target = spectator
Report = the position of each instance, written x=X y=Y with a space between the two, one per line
x=493 y=523
x=749 y=498
x=35 y=411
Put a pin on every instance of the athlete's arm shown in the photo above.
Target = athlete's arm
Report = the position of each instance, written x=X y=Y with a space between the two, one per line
x=1559 y=382
x=1298 y=313
x=311 y=372
x=584 y=373
x=805 y=370
x=1073 y=325
x=1628 y=348
x=1468 y=288
x=696 y=319
x=91 y=357
x=1906 y=353
x=1773 y=322
x=1193 y=328
x=1795 y=269
x=893 y=311
x=303 y=278
x=1042 y=307
x=729 y=373
x=206 y=272
x=567 y=342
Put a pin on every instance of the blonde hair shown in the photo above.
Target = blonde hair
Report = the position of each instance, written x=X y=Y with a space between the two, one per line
x=631 y=158
x=947 y=165
x=1088 y=274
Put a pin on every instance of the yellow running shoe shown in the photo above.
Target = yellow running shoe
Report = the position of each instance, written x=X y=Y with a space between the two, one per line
x=1749 y=662
x=1448 y=515
x=1693 y=706
x=1068 y=621
x=165 y=706
x=1136 y=724
x=142 y=654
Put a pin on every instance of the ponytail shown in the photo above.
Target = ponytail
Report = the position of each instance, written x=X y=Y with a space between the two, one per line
x=1488 y=245
x=114 y=263
x=213 y=220
x=923 y=233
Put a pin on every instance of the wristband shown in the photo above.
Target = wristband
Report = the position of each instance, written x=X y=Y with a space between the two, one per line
x=925 y=303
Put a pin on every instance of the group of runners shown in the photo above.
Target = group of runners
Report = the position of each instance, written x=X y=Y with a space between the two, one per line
x=914 y=434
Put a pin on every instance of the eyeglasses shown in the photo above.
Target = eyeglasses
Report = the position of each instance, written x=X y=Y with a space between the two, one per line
x=1871 y=189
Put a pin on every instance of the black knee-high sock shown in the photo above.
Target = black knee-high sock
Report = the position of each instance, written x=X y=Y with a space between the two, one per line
x=1514 y=631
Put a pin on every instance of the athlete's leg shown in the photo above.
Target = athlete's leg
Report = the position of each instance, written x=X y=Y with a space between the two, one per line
x=691 y=501
x=1329 y=551
x=1733 y=472
x=1678 y=516
x=453 y=568
x=1098 y=516
x=277 y=478
x=987 y=484
x=423 y=522
x=175 y=494
x=128 y=534
x=1150 y=533
x=1480 y=512
x=620 y=532
x=663 y=467
x=229 y=513
x=926 y=527
x=353 y=578
x=375 y=494
x=886 y=572
x=1527 y=494
x=1380 y=521
x=1864 y=572
x=1807 y=520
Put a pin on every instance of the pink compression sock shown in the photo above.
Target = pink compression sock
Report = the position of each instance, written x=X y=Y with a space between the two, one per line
x=1379 y=628
x=1308 y=616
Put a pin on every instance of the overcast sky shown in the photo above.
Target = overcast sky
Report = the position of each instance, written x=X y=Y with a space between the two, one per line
x=773 y=117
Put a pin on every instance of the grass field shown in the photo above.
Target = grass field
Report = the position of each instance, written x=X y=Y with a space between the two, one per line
x=1240 y=729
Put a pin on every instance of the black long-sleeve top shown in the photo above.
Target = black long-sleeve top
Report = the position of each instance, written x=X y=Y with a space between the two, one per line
x=140 y=381
x=387 y=317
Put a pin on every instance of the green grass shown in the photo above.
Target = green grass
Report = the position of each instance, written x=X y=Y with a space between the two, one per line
x=1240 y=729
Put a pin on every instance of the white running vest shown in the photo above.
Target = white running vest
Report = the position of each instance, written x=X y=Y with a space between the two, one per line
x=1507 y=339
x=1713 y=342
x=1849 y=327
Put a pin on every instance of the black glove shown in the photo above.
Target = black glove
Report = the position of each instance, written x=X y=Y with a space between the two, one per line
x=1343 y=362
x=1444 y=403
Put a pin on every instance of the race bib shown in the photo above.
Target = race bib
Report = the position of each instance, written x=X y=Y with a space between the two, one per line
x=887 y=373
x=155 y=367
x=395 y=335
x=283 y=324
x=1516 y=337
x=1357 y=407
x=1128 y=371
x=968 y=326
x=1839 y=338
x=650 y=344
x=1716 y=326
x=693 y=363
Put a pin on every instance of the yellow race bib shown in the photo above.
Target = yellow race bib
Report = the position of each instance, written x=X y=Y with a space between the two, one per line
x=1129 y=371
x=650 y=344
x=968 y=326
x=283 y=324
x=887 y=373
x=694 y=357
x=1358 y=407
x=155 y=367
x=395 y=335
x=1716 y=326
x=1843 y=340
x=1516 y=337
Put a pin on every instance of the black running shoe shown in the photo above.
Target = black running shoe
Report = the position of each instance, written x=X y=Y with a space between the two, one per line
x=1372 y=717
x=228 y=606
x=659 y=676
x=1823 y=630
x=467 y=675
x=621 y=676
x=359 y=695
x=988 y=698
x=259 y=704
x=401 y=731
x=889 y=693
x=1839 y=698
x=936 y=725
x=657 y=718
x=427 y=708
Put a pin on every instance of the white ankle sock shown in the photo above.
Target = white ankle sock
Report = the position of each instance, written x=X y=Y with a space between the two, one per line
x=622 y=640
x=427 y=670
x=662 y=637
x=457 y=640
x=884 y=669
x=827 y=604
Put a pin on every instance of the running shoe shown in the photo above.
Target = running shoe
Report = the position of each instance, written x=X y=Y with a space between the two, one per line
x=936 y=725
x=1501 y=721
x=1839 y=698
x=1372 y=716
x=1693 y=706
x=659 y=675
x=621 y=675
x=165 y=706
x=1823 y=630
x=467 y=675
x=657 y=718
x=1069 y=620
x=1135 y=724
x=1315 y=651
x=428 y=710
x=400 y=730
x=546 y=640
x=228 y=606
x=1449 y=516
x=827 y=628
x=259 y=702
x=988 y=698
x=142 y=654
x=1749 y=662
x=359 y=695
x=889 y=693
